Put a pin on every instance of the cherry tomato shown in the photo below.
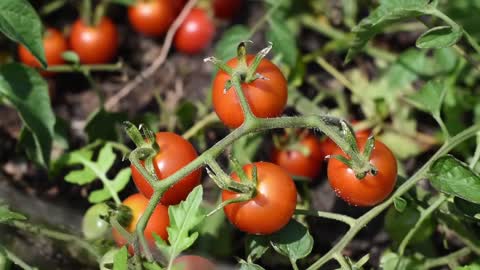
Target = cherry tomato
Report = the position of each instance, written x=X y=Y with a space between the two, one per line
x=93 y=226
x=273 y=205
x=158 y=222
x=193 y=262
x=54 y=44
x=151 y=18
x=266 y=97
x=226 y=9
x=296 y=162
x=370 y=190
x=195 y=33
x=175 y=153
x=94 y=44
x=329 y=146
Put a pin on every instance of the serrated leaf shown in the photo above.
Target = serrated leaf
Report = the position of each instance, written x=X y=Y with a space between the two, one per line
x=439 y=37
x=106 y=157
x=403 y=146
x=184 y=217
x=27 y=91
x=256 y=246
x=453 y=177
x=20 y=23
x=120 y=260
x=283 y=40
x=117 y=185
x=81 y=177
x=389 y=11
x=7 y=215
x=293 y=241
x=250 y=266
x=226 y=47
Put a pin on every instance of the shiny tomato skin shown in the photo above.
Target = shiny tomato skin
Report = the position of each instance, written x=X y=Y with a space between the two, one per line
x=266 y=97
x=178 y=5
x=193 y=262
x=226 y=9
x=158 y=222
x=195 y=33
x=94 y=44
x=296 y=163
x=54 y=44
x=370 y=190
x=175 y=153
x=151 y=18
x=273 y=205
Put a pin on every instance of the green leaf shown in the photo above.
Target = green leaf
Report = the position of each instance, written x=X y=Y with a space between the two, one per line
x=399 y=203
x=27 y=91
x=6 y=214
x=475 y=266
x=283 y=40
x=152 y=266
x=117 y=185
x=226 y=47
x=5 y=263
x=120 y=260
x=184 y=217
x=255 y=247
x=391 y=260
x=293 y=241
x=20 y=23
x=71 y=57
x=439 y=37
x=250 y=266
x=470 y=210
x=430 y=97
x=453 y=177
x=398 y=224
x=402 y=145
x=389 y=12
x=106 y=157
x=83 y=176
x=186 y=113
x=103 y=125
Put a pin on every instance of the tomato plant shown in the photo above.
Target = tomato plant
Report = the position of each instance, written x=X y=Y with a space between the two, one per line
x=193 y=262
x=152 y=18
x=94 y=224
x=137 y=204
x=373 y=188
x=166 y=162
x=195 y=33
x=271 y=207
x=303 y=158
x=94 y=44
x=54 y=44
x=266 y=97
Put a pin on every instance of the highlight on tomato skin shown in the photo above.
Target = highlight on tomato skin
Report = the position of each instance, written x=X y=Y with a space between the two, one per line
x=296 y=162
x=370 y=190
x=94 y=44
x=196 y=32
x=175 y=153
x=54 y=44
x=273 y=205
x=152 y=18
x=267 y=98
x=157 y=224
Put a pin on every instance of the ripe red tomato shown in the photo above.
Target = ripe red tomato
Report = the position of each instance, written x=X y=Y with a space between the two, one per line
x=273 y=205
x=296 y=163
x=370 y=190
x=193 y=262
x=267 y=98
x=151 y=18
x=94 y=44
x=54 y=44
x=195 y=33
x=175 y=153
x=178 y=5
x=158 y=222
x=226 y=9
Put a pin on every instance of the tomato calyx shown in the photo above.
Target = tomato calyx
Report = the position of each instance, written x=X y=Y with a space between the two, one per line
x=358 y=162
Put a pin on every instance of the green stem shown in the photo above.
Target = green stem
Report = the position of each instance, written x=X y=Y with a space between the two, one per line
x=341 y=260
x=335 y=73
x=142 y=223
x=472 y=42
x=447 y=259
x=204 y=122
x=247 y=112
x=86 y=68
x=442 y=125
x=17 y=261
x=135 y=157
x=476 y=155
x=367 y=217
x=52 y=7
x=86 y=12
x=338 y=217
x=424 y=215
x=263 y=19
x=61 y=236
x=100 y=11
x=293 y=263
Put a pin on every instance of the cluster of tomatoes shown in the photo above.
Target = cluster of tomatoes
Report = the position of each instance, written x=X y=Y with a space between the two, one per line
x=99 y=43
